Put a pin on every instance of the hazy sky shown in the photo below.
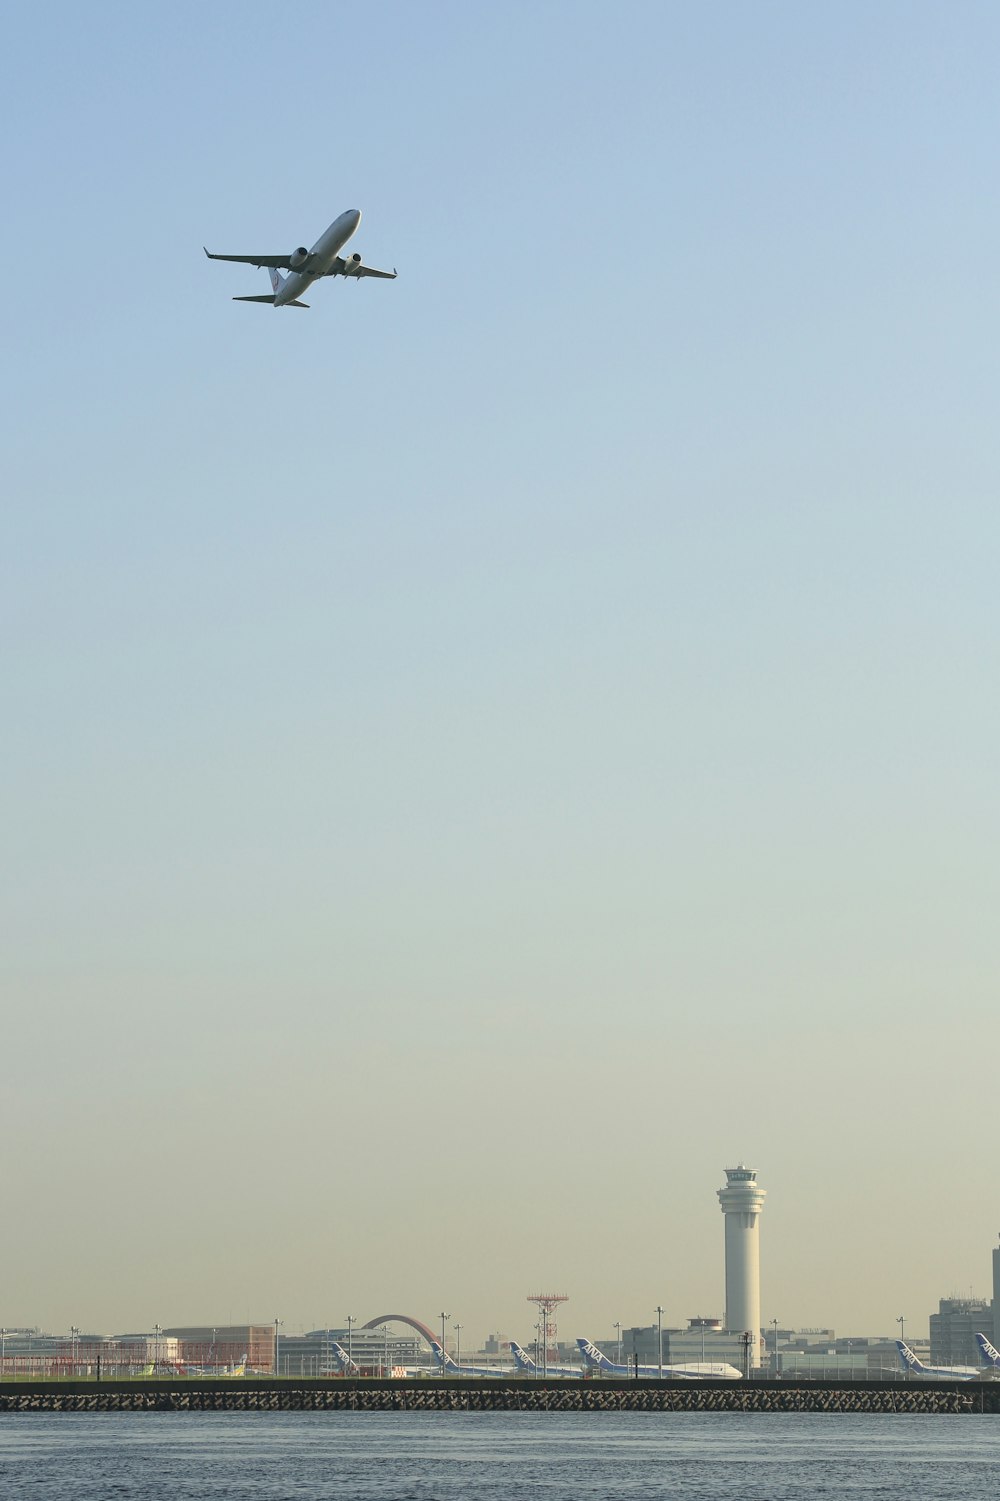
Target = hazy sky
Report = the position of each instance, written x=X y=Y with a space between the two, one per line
x=483 y=755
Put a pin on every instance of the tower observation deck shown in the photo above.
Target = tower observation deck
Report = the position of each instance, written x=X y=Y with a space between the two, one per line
x=741 y=1202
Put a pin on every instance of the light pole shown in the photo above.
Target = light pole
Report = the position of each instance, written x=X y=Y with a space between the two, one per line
x=74 y=1336
x=775 y=1323
x=277 y=1325
x=351 y=1321
x=458 y=1343
x=617 y=1326
x=3 y=1350
x=444 y=1354
x=157 y=1331
x=901 y=1321
x=659 y=1343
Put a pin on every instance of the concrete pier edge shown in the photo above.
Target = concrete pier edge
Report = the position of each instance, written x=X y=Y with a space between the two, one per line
x=521 y=1395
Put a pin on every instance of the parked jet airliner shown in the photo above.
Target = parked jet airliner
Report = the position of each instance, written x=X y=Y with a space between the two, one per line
x=306 y=266
x=694 y=1370
x=452 y=1368
x=530 y=1367
x=916 y=1367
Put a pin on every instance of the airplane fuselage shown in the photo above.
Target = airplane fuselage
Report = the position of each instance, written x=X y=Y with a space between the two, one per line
x=689 y=1371
x=321 y=258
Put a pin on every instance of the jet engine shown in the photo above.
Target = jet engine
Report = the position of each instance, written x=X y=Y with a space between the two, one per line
x=298 y=258
x=352 y=264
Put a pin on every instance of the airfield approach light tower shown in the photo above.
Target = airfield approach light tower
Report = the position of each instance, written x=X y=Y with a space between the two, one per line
x=546 y=1303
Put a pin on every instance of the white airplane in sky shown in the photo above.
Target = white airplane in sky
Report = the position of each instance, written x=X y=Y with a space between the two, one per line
x=306 y=266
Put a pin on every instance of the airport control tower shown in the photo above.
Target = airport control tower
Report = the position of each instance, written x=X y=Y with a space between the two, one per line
x=742 y=1202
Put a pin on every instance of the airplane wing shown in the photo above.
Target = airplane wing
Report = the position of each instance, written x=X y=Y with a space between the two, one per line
x=279 y=262
x=341 y=267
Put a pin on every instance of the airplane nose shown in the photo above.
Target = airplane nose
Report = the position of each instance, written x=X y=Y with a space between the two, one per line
x=356 y=216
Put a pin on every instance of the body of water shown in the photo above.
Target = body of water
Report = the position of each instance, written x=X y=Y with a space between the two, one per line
x=495 y=1457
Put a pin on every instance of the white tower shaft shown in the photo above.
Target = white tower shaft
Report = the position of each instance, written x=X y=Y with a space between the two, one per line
x=742 y=1201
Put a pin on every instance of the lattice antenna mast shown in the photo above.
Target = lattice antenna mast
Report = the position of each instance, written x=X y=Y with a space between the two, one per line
x=546 y=1303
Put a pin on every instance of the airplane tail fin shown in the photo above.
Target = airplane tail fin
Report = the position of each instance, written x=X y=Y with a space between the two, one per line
x=592 y=1355
x=277 y=280
x=442 y=1357
x=989 y=1354
x=907 y=1359
x=522 y=1359
x=347 y=1365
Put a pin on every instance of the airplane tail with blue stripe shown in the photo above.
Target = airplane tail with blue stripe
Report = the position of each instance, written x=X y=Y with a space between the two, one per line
x=593 y=1356
x=907 y=1359
x=348 y=1367
x=442 y=1357
x=523 y=1360
x=988 y=1353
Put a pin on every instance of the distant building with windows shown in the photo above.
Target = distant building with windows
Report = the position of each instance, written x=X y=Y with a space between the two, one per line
x=374 y=1351
x=218 y=1344
x=703 y=1340
x=954 y=1328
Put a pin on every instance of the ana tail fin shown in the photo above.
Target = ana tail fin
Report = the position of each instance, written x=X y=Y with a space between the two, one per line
x=907 y=1358
x=592 y=1355
x=442 y=1357
x=988 y=1353
x=277 y=280
x=347 y=1365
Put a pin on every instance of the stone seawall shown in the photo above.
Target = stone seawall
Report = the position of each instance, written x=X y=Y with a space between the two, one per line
x=498 y=1396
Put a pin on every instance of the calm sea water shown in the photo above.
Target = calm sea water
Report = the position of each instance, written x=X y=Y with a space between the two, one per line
x=489 y=1456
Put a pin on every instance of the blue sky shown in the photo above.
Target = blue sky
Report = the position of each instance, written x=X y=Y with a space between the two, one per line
x=456 y=733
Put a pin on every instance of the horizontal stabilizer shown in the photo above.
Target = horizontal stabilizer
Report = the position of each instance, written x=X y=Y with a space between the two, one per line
x=269 y=299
